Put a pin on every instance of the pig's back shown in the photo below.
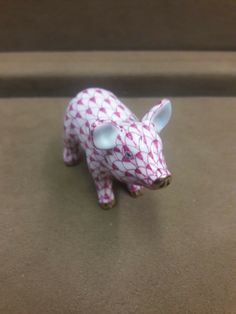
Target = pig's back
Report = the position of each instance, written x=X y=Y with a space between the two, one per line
x=94 y=104
x=97 y=103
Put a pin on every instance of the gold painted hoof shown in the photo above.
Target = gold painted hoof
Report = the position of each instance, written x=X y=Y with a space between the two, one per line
x=137 y=193
x=73 y=163
x=107 y=206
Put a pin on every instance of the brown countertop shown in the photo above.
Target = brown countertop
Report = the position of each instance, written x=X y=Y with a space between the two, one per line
x=170 y=251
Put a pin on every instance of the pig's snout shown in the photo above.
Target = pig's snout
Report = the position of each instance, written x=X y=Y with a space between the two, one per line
x=162 y=182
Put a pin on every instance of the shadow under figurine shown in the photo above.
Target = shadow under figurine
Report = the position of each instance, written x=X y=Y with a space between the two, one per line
x=117 y=144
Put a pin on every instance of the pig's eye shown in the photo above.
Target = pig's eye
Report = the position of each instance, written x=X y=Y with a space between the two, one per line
x=128 y=154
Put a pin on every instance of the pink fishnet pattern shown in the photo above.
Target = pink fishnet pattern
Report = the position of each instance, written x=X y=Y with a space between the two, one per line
x=137 y=157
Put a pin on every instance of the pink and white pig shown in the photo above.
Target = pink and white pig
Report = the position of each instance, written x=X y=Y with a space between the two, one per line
x=116 y=143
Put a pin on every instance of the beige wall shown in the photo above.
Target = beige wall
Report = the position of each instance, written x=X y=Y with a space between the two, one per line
x=120 y=24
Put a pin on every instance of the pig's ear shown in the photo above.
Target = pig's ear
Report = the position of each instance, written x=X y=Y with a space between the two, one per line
x=105 y=135
x=159 y=115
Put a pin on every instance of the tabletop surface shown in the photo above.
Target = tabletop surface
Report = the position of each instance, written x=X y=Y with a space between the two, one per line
x=169 y=251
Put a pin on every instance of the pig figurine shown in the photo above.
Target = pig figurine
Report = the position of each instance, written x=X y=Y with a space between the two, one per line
x=117 y=144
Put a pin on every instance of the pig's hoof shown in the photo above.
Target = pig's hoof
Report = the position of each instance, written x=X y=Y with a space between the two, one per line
x=107 y=206
x=73 y=162
x=71 y=158
x=137 y=193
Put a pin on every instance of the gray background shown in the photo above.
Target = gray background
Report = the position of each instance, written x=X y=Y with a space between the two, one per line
x=125 y=24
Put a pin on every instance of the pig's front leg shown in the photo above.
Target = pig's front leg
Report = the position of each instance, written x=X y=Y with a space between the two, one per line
x=71 y=152
x=103 y=183
x=105 y=193
x=135 y=190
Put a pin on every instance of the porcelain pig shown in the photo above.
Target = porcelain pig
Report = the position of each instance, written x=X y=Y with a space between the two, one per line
x=116 y=143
